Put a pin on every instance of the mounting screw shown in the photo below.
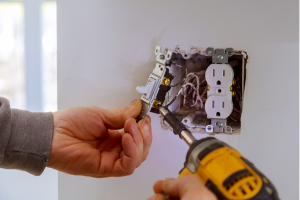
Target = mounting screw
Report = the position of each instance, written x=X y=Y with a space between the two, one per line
x=219 y=124
x=162 y=57
x=220 y=57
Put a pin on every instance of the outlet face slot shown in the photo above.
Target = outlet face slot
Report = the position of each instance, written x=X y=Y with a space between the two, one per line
x=218 y=114
x=218 y=82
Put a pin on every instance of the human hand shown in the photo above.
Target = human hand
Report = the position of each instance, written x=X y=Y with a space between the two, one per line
x=86 y=141
x=187 y=187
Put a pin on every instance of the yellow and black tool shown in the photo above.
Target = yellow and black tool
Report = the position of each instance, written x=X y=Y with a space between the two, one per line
x=222 y=169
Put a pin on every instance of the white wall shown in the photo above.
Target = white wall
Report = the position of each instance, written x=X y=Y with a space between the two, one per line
x=19 y=185
x=105 y=49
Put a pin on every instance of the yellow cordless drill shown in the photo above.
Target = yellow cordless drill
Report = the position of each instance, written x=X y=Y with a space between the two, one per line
x=222 y=169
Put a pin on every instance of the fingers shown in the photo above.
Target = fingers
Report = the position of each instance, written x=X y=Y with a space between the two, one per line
x=130 y=157
x=131 y=128
x=127 y=162
x=145 y=129
x=132 y=144
x=115 y=119
x=157 y=187
x=136 y=142
x=186 y=188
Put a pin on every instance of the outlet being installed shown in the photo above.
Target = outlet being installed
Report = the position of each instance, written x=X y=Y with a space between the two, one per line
x=203 y=87
x=219 y=107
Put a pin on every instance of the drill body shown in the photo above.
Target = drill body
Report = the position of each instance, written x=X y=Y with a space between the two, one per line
x=222 y=169
x=226 y=172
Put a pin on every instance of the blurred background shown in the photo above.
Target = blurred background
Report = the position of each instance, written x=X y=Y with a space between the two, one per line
x=28 y=57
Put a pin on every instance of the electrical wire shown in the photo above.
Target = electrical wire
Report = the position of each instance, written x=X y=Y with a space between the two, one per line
x=188 y=81
x=179 y=83
x=174 y=98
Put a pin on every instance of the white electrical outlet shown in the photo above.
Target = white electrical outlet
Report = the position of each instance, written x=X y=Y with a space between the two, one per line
x=219 y=102
x=218 y=107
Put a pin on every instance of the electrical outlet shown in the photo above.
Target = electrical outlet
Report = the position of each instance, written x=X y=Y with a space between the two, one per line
x=219 y=80
x=218 y=107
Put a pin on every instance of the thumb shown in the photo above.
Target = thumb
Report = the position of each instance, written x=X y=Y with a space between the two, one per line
x=115 y=119
x=187 y=188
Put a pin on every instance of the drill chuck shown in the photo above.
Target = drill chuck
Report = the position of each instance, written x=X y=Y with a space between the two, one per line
x=178 y=127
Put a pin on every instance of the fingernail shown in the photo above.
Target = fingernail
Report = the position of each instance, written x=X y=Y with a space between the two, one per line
x=168 y=181
x=146 y=124
x=132 y=103
x=153 y=197
x=149 y=119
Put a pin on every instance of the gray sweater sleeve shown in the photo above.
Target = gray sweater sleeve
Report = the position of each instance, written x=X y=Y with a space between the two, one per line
x=25 y=139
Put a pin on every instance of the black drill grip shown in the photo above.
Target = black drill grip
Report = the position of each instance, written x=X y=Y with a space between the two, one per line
x=175 y=123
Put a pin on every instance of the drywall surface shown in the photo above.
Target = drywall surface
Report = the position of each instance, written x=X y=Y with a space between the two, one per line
x=17 y=185
x=106 y=49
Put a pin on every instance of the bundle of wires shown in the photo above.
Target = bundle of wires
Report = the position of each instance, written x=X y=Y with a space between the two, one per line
x=191 y=84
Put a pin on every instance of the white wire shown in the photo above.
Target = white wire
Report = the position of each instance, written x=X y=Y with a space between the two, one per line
x=195 y=88
x=197 y=92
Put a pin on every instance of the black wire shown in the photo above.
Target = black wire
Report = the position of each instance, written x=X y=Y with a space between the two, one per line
x=171 y=101
x=178 y=83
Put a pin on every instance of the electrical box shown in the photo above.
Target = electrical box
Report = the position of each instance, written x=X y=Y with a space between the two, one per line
x=203 y=87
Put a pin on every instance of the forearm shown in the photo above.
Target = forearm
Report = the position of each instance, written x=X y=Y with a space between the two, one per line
x=25 y=139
